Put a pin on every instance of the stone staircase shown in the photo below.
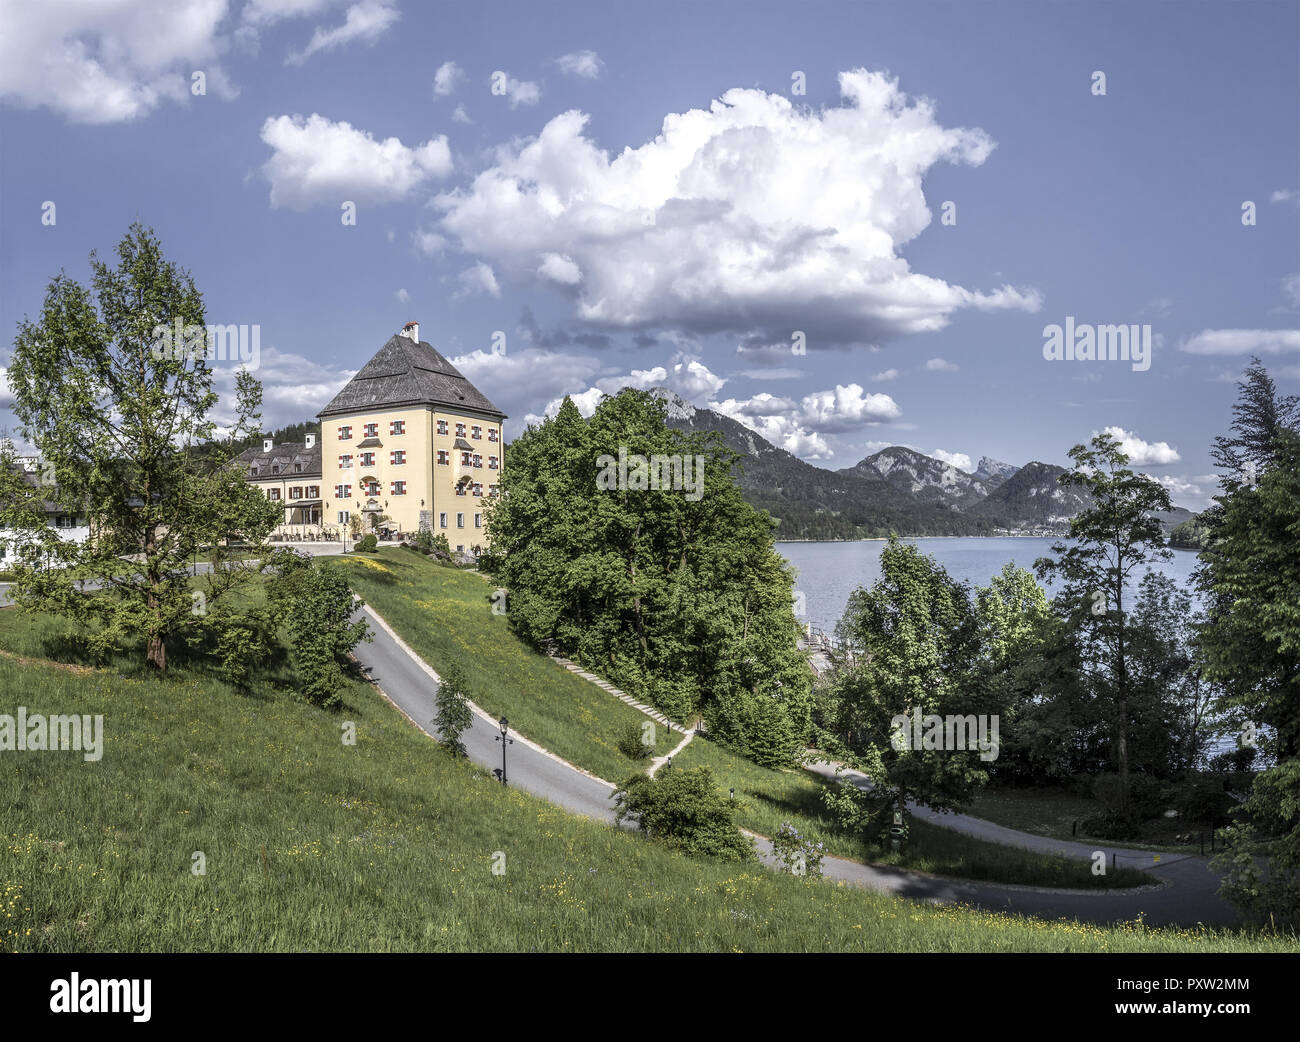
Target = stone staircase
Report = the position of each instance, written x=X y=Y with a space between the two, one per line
x=605 y=685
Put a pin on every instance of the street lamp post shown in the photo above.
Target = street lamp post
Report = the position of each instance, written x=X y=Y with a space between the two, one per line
x=505 y=726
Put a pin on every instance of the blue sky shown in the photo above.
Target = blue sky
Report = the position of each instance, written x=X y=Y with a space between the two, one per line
x=645 y=199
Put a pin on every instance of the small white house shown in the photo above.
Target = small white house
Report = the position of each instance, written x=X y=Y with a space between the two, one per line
x=66 y=526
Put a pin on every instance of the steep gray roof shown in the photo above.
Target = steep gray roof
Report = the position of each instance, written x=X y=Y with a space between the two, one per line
x=284 y=455
x=404 y=373
x=34 y=480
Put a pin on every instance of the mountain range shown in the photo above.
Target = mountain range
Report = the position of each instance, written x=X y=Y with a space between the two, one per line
x=895 y=490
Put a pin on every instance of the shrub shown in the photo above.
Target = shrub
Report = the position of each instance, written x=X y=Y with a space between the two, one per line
x=314 y=604
x=859 y=811
x=631 y=742
x=1202 y=800
x=367 y=544
x=1111 y=824
x=1150 y=797
x=244 y=645
x=756 y=726
x=800 y=856
x=683 y=808
x=769 y=733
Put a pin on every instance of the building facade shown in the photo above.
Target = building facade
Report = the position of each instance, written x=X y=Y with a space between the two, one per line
x=410 y=439
x=69 y=526
x=289 y=475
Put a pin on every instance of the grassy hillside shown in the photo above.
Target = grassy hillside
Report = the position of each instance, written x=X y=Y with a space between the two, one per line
x=387 y=845
x=445 y=614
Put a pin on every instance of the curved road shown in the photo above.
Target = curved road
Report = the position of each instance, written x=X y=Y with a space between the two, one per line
x=1183 y=890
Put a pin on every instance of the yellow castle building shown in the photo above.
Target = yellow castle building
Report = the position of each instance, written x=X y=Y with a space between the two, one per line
x=408 y=438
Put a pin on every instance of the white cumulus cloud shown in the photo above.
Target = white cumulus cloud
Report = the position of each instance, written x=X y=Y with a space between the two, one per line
x=293 y=387
x=519 y=92
x=366 y=21
x=1242 y=341
x=1193 y=491
x=445 y=79
x=316 y=160
x=939 y=365
x=585 y=64
x=802 y=428
x=110 y=62
x=478 y=278
x=560 y=269
x=518 y=379
x=954 y=459
x=1143 y=453
x=752 y=216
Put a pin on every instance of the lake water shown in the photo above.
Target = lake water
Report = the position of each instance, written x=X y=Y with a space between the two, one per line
x=829 y=572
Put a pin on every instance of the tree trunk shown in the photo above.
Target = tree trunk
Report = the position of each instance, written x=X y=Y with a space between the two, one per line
x=157 y=653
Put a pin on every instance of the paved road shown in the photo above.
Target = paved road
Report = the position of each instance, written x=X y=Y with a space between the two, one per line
x=410 y=684
x=1187 y=898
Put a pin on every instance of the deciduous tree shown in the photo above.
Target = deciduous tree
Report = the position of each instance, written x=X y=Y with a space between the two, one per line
x=112 y=416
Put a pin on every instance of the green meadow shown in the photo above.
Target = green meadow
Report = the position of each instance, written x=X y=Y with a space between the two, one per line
x=306 y=843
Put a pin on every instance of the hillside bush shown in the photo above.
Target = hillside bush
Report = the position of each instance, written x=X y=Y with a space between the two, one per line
x=631 y=742
x=684 y=809
x=313 y=603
